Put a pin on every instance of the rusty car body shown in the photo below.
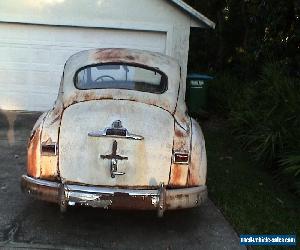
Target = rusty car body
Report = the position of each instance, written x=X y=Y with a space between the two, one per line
x=118 y=136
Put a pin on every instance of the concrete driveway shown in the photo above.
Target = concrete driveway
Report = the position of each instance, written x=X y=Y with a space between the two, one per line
x=26 y=223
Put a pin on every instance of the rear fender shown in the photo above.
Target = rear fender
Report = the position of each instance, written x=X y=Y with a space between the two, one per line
x=181 y=144
x=49 y=144
x=198 y=165
x=33 y=148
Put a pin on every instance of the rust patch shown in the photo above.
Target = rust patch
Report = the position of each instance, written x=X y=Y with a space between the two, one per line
x=179 y=133
x=57 y=111
x=175 y=174
x=121 y=54
x=180 y=201
x=40 y=192
x=138 y=187
x=33 y=154
x=193 y=178
x=181 y=139
x=48 y=155
x=114 y=55
x=55 y=114
x=49 y=141
x=178 y=177
x=131 y=202
x=49 y=167
x=92 y=96
x=131 y=58
x=55 y=120
x=86 y=96
x=179 y=196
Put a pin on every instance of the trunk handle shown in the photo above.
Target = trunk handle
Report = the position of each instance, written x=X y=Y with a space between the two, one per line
x=116 y=131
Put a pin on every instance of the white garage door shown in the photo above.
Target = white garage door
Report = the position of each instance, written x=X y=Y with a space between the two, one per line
x=32 y=58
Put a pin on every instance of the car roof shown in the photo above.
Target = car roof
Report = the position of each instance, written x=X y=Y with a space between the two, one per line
x=166 y=64
x=143 y=57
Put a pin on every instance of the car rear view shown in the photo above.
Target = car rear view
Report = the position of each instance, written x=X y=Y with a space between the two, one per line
x=118 y=137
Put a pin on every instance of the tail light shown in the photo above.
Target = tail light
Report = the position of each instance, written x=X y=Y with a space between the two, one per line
x=49 y=149
x=181 y=158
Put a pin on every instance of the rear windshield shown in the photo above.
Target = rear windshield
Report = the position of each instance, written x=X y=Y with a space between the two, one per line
x=121 y=76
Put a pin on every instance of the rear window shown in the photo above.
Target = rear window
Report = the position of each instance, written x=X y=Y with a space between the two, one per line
x=121 y=76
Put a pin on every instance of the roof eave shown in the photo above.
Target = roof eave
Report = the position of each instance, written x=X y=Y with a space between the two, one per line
x=195 y=14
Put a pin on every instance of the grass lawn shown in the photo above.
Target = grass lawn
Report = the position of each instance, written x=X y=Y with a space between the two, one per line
x=246 y=194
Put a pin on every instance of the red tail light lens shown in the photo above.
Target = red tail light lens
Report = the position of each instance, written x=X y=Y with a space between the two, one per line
x=181 y=158
x=49 y=149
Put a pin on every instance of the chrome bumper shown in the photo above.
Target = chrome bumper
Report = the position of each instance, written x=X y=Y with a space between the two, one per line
x=114 y=198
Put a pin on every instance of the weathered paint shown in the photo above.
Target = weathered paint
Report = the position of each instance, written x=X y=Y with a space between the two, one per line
x=50 y=135
x=33 y=148
x=181 y=143
x=182 y=136
x=166 y=100
x=186 y=198
x=49 y=167
x=178 y=176
x=45 y=132
x=33 y=155
x=149 y=160
x=161 y=120
x=198 y=167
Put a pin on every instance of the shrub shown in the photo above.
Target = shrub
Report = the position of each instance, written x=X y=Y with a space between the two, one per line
x=220 y=91
x=264 y=115
x=290 y=165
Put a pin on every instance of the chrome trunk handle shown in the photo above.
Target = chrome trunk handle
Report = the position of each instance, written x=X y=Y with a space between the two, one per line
x=116 y=131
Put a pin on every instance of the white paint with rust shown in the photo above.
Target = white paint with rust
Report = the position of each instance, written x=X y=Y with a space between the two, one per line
x=160 y=118
x=148 y=161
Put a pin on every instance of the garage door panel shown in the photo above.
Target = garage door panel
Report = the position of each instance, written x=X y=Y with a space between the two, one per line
x=33 y=56
x=10 y=100
x=62 y=54
x=41 y=54
x=43 y=99
x=10 y=77
x=25 y=74
x=15 y=53
x=30 y=100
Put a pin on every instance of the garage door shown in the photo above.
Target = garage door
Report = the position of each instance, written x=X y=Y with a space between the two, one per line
x=33 y=56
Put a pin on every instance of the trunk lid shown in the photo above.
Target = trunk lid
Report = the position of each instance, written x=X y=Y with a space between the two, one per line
x=143 y=152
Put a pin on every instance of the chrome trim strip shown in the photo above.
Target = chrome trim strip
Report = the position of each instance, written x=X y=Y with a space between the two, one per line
x=104 y=190
x=92 y=190
x=40 y=182
x=127 y=136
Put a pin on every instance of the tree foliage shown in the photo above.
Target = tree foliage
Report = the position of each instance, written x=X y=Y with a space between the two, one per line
x=254 y=52
x=248 y=33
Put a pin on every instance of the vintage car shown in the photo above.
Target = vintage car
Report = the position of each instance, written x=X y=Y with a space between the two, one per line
x=118 y=136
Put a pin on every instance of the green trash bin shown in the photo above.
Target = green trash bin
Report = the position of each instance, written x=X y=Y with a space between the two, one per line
x=196 y=92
